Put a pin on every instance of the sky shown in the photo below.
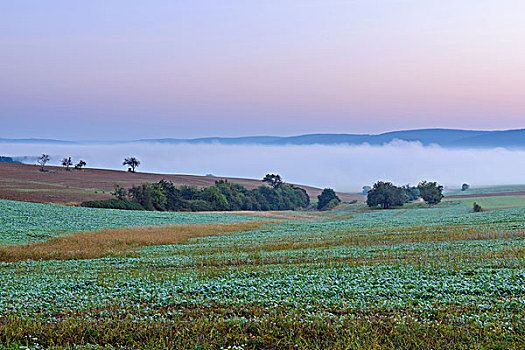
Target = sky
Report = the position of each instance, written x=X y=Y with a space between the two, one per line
x=130 y=69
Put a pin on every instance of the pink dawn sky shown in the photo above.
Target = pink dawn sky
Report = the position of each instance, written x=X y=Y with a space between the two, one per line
x=129 y=69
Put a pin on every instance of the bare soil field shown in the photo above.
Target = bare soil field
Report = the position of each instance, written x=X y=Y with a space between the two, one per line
x=23 y=182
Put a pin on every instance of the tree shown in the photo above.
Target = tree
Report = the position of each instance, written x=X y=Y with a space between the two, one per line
x=42 y=160
x=80 y=164
x=366 y=189
x=386 y=195
x=465 y=187
x=327 y=199
x=431 y=192
x=412 y=193
x=216 y=199
x=67 y=162
x=132 y=162
x=120 y=192
x=149 y=196
x=273 y=180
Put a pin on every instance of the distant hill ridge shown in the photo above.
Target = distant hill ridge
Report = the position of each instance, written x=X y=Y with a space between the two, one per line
x=450 y=138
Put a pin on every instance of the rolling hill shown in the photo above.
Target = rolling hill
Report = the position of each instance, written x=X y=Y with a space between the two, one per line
x=24 y=182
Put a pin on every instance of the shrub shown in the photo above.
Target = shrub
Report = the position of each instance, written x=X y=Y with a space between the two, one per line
x=477 y=208
x=113 y=204
x=332 y=204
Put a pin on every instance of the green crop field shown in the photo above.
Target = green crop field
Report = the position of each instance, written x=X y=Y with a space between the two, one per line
x=22 y=222
x=496 y=202
x=488 y=190
x=425 y=278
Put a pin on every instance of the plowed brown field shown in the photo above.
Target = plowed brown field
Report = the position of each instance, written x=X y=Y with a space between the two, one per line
x=27 y=183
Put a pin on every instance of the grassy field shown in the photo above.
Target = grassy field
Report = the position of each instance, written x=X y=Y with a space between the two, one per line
x=424 y=278
x=490 y=203
x=476 y=191
x=490 y=198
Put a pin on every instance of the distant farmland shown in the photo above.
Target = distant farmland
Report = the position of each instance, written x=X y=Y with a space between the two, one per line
x=493 y=197
x=24 y=182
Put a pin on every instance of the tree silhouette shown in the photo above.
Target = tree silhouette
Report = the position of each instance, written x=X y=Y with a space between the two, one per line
x=42 y=160
x=80 y=164
x=67 y=162
x=273 y=180
x=132 y=162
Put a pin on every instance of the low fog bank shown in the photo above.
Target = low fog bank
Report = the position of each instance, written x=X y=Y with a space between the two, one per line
x=343 y=167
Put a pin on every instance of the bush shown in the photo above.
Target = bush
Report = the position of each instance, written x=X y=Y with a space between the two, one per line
x=113 y=204
x=477 y=208
x=332 y=204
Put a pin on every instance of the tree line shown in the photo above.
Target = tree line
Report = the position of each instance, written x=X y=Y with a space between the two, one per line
x=131 y=162
x=222 y=196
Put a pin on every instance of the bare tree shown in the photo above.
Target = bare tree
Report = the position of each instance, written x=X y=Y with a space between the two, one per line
x=42 y=160
x=132 y=162
x=67 y=162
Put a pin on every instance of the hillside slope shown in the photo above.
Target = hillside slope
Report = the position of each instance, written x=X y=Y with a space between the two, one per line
x=24 y=182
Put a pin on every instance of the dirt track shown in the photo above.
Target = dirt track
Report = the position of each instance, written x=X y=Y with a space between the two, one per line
x=24 y=182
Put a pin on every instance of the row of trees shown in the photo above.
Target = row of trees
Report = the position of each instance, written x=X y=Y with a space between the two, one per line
x=131 y=162
x=387 y=195
x=223 y=196
x=66 y=162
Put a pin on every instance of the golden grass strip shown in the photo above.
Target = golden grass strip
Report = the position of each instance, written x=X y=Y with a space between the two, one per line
x=369 y=238
x=116 y=242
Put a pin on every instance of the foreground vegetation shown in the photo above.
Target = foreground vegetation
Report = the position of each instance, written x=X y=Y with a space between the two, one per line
x=22 y=222
x=426 y=278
